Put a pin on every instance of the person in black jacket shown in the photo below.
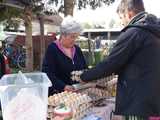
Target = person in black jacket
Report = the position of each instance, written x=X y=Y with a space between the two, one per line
x=2 y=65
x=63 y=56
x=2 y=61
x=135 y=58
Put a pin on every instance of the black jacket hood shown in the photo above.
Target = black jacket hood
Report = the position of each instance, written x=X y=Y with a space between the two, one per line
x=147 y=22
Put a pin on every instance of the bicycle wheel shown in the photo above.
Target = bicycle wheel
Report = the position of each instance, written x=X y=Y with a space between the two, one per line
x=21 y=61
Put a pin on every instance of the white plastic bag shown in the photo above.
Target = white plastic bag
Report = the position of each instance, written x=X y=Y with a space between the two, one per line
x=26 y=105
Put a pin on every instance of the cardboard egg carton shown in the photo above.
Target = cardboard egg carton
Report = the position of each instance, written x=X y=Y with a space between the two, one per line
x=79 y=103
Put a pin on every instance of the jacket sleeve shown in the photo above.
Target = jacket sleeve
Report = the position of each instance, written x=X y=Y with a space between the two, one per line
x=121 y=53
x=48 y=67
x=2 y=65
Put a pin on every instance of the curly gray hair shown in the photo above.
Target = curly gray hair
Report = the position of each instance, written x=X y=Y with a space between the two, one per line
x=70 y=25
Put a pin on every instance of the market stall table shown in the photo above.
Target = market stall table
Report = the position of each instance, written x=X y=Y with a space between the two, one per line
x=103 y=112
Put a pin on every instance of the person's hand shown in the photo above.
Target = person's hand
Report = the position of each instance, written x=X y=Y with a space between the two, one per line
x=69 y=88
x=82 y=82
x=59 y=118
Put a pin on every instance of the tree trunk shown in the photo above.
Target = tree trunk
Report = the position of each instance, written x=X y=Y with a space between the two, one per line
x=28 y=41
x=68 y=7
x=42 y=49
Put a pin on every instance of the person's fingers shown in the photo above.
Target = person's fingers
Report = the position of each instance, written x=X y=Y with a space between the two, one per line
x=59 y=118
x=69 y=88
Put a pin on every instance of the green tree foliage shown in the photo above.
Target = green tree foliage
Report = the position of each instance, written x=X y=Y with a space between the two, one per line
x=9 y=11
x=93 y=3
x=82 y=3
x=7 y=17
x=24 y=10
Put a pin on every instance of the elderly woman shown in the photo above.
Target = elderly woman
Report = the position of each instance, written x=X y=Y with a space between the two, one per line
x=63 y=56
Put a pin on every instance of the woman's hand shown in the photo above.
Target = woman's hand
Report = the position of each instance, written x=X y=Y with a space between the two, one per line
x=59 y=118
x=69 y=88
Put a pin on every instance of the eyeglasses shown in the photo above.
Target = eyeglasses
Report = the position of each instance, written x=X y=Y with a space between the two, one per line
x=73 y=36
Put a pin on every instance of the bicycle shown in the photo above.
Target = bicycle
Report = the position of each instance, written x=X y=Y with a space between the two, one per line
x=16 y=56
x=21 y=61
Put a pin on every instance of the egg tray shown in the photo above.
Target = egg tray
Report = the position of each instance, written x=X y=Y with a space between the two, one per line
x=98 y=94
x=101 y=90
x=80 y=105
x=78 y=114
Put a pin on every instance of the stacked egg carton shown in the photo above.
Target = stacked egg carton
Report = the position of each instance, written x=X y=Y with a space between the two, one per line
x=107 y=90
x=79 y=103
x=110 y=82
x=97 y=92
